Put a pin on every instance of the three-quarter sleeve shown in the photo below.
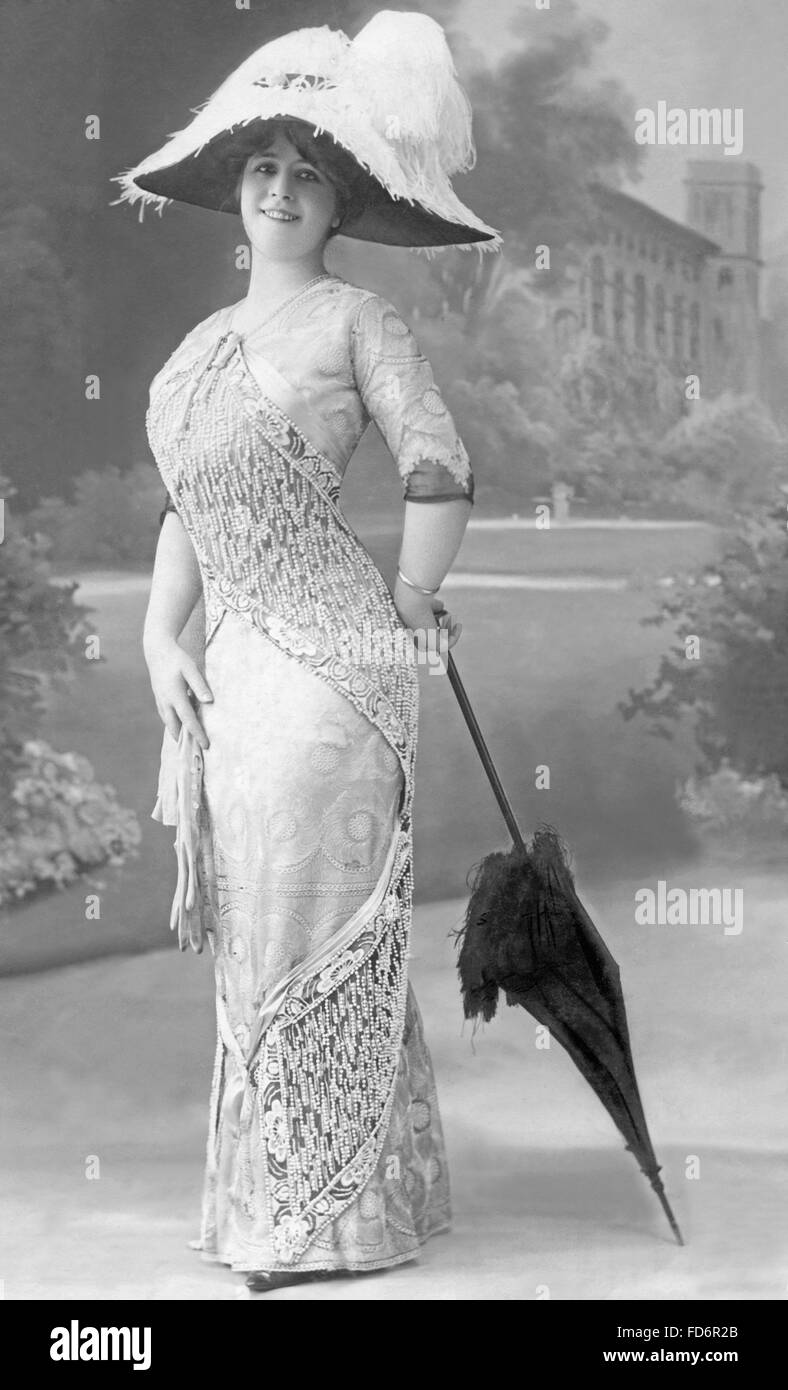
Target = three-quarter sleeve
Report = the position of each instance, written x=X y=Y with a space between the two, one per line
x=169 y=506
x=397 y=386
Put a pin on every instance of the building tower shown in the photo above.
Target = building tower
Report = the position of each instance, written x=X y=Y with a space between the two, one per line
x=723 y=203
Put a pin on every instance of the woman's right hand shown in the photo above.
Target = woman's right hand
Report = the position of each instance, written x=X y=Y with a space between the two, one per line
x=174 y=678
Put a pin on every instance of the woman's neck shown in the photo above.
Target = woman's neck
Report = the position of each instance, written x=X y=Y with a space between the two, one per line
x=272 y=281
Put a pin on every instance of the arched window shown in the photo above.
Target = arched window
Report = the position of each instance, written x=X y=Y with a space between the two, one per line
x=619 y=306
x=752 y=220
x=659 y=318
x=678 y=327
x=724 y=277
x=694 y=335
x=598 y=296
x=727 y=208
x=565 y=326
x=640 y=312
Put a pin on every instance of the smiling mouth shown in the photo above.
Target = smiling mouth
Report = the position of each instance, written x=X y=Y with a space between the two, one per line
x=277 y=215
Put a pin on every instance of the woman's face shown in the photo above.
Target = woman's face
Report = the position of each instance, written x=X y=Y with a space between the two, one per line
x=288 y=205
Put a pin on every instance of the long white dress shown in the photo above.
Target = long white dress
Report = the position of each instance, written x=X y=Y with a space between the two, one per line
x=325 y=1147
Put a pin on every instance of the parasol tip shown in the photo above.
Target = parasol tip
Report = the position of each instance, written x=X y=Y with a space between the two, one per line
x=666 y=1207
x=674 y=1226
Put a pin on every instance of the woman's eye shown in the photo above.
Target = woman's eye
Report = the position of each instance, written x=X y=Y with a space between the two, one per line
x=271 y=169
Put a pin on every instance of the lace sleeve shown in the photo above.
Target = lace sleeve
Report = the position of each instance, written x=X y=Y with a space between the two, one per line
x=397 y=386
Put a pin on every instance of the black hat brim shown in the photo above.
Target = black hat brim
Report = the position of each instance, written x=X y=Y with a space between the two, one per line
x=207 y=179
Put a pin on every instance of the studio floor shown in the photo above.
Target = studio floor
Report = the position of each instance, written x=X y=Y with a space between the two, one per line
x=106 y=1077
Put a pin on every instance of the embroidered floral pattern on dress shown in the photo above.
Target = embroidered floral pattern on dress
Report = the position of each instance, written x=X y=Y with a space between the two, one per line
x=397 y=386
x=275 y=1125
x=352 y=826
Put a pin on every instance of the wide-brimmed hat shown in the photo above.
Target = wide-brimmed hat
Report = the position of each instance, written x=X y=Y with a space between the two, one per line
x=390 y=98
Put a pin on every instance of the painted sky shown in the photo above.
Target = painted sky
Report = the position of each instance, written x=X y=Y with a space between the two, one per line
x=688 y=53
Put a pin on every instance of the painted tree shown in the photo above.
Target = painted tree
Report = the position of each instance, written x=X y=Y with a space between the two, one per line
x=545 y=129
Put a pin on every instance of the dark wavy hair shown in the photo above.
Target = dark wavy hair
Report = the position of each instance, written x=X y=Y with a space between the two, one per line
x=350 y=181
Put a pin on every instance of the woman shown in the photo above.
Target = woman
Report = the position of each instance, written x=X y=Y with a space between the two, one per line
x=289 y=743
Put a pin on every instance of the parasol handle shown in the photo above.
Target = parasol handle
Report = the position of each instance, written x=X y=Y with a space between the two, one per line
x=484 y=754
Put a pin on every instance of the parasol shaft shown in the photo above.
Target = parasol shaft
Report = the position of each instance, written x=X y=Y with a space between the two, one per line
x=484 y=754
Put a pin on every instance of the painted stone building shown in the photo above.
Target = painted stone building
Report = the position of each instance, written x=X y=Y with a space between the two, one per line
x=684 y=293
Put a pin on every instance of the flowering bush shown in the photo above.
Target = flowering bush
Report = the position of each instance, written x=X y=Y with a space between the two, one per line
x=59 y=822
x=740 y=812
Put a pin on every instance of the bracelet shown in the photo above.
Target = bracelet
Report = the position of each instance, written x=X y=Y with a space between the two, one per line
x=411 y=585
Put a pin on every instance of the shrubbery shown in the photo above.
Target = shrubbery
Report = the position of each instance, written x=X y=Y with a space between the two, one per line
x=59 y=823
x=112 y=519
x=741 y=815
x=723 y=458
x=41 y=626
x=738 y=690
x=55 y=820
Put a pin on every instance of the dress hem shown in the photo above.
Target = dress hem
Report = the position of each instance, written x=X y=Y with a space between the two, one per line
x=352 y=1266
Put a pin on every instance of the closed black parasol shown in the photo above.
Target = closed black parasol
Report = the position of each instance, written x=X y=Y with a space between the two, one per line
x=527 y=933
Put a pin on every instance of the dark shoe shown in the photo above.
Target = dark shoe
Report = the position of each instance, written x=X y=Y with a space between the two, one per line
x=261 y=1281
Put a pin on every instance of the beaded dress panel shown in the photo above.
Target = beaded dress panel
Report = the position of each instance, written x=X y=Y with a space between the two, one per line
x=325 y=1147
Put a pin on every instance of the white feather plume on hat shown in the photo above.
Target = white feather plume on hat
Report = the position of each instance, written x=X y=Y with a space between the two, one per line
x=390 y=97
x=407 y=74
